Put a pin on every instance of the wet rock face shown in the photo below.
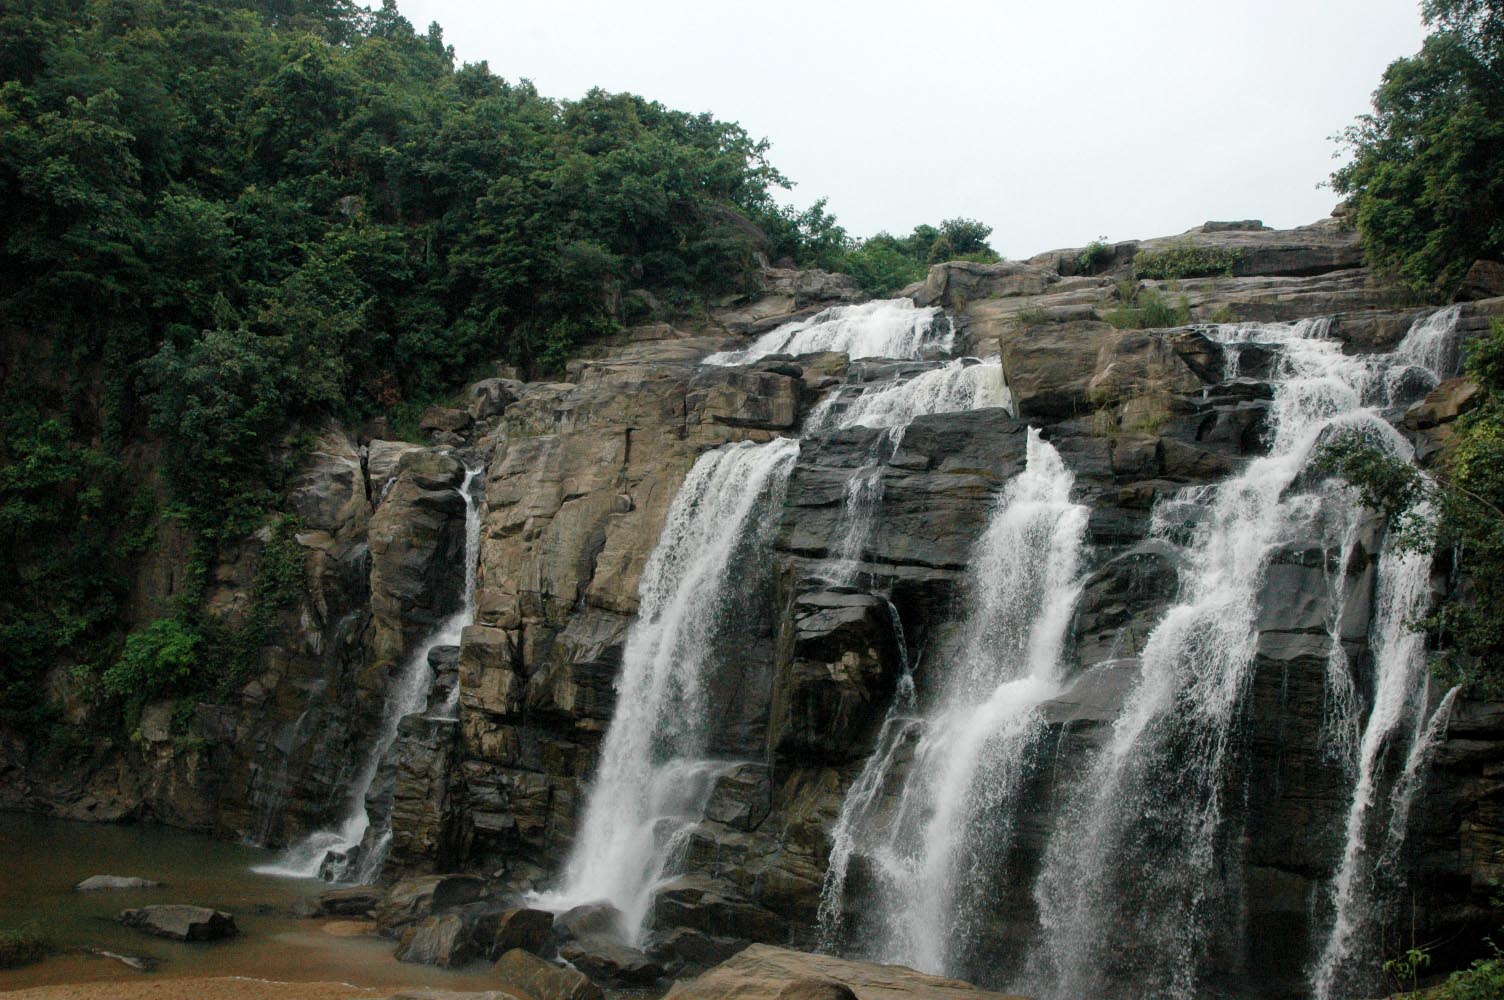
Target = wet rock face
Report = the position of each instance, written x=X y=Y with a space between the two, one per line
x=180 y=923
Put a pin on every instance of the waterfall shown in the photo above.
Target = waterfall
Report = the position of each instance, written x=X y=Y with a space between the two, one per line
x=355 y=851
x=955 y=806
x=962 y=384
x=1431 y=343
x=1136 y=884
x=883 y=328
x=653 y=780
x=1351 y=952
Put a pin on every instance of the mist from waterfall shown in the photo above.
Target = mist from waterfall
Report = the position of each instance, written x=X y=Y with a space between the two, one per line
x=653 y=779
x=956 y=804
x=1136 y=885
x=882 y=328
x=355 y=851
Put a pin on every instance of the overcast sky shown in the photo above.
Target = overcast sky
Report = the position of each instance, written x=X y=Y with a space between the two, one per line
x=1054 y=123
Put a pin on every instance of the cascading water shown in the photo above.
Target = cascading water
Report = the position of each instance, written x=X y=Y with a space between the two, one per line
x=1350 y=957
x=883 y=328
x=963 y=384
x=1136 y=888
x=955 y=806
x=653 y=779
x=355 y=851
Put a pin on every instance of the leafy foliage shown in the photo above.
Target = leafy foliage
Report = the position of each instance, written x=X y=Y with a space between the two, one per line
x=1147 y=309
x=22 y=946
x=1460 y=511
x=1426 y=182
x=1094 y=256
x=224 y=221
x=1184 y=259
x=884 y=264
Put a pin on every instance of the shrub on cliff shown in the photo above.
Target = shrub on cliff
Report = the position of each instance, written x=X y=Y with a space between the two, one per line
x=1465 y=521
x=1426 y=182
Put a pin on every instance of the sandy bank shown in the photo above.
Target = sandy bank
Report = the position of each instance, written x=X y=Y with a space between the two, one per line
x=226 y=988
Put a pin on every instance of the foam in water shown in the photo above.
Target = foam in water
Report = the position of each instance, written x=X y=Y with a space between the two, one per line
x=883 y=328
x=1134 y=887
x=968 y=764
x=653 y=780
x=963 y=384
x=353 y=851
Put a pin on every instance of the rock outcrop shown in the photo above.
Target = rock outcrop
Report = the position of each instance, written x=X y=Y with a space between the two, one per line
x=180 y=922
x=579 y=478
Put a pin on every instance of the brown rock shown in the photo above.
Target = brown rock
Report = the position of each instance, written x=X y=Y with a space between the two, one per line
x=763 y=972
x=537 y=978
x=445 y=418
x=523 y=928
x=1484 y=280
x=816 y=989
x=1444 y=404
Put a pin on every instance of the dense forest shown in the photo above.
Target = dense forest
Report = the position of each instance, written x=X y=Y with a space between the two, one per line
x=223 y=222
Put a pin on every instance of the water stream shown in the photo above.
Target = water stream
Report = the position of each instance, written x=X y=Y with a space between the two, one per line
x=653 y=778
x=1138 y=884
x=955 y=804
x=882 y=328
x=354 y=851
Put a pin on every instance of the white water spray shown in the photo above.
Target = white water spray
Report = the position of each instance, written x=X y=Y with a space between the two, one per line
x=1140 y=855
x=653 y=781
x=328 y=853
x=883 y=328
x=969 y=762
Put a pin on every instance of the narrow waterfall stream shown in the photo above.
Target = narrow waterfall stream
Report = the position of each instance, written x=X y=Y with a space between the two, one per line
x=355 y=850
x=970 y=755
x=1137 y=884
x=653 y=778
x=962 y=384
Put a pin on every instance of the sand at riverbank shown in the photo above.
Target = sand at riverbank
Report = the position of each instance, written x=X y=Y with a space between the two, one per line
x=223 y=988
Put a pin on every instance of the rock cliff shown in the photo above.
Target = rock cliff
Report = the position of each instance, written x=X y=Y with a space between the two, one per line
x=579 y=478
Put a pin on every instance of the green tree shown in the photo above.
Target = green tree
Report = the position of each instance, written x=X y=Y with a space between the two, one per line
x=1426 y=181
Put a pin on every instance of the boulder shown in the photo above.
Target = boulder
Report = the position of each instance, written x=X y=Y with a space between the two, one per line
x=528 y=929
x=443 y=941
x=416 y=897
x=534 y=977
x=611 y=964
x=588 y=920
x=445 y=419
x=713 y=908
x=1484 y=280
x=95 y=883
x=349 y=901
x=1448 y=401
x=763 y=972
x=816 y=989
x=686 y=947
x=180 y=922
x=382 y=459
x=491 y=397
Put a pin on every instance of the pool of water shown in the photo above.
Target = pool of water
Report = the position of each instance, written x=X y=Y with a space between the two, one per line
x=41 y=860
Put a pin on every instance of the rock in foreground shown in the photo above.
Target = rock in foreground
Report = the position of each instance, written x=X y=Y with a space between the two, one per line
x=180 y=922
x=763 y=972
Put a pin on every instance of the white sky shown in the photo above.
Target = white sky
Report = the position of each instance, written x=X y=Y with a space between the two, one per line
x=1053 y=123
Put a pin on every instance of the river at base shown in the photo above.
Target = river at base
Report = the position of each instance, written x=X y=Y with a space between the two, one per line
x=41 y=860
